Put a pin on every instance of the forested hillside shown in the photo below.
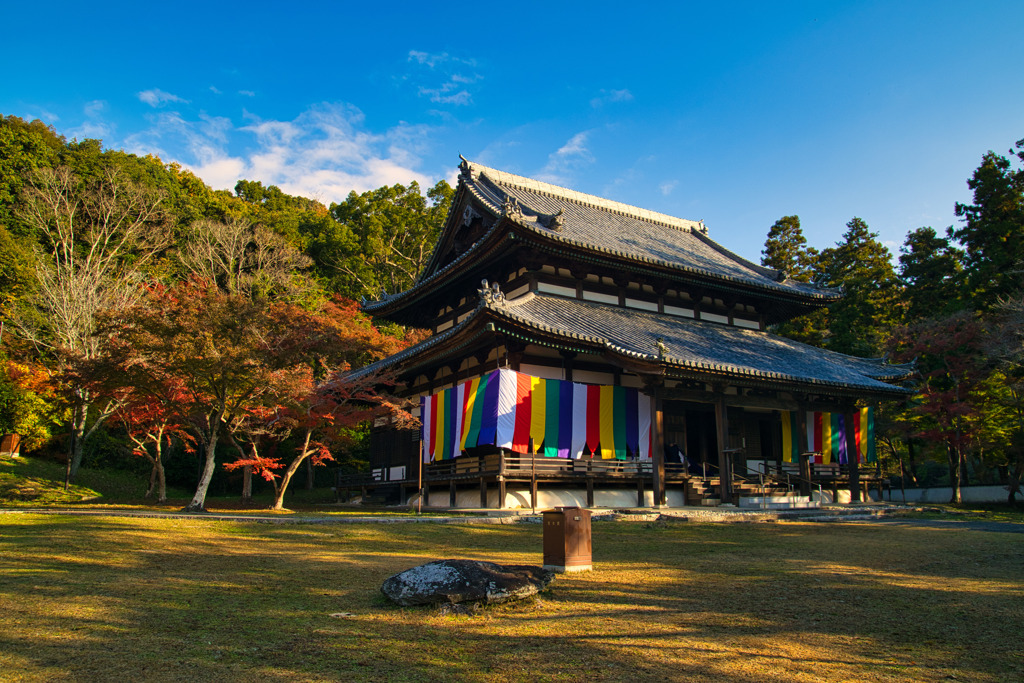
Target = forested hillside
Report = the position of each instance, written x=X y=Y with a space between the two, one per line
x=149 y=322
x=146 y=317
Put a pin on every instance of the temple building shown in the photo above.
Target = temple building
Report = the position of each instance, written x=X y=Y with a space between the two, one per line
x=589 y=352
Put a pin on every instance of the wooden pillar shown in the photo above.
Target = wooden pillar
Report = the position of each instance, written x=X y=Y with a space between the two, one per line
x=501 y=493
x=639 y=490
x=803 y=448
x=483 y=492
x=851 y=455
x=590 y=492
x=658 y=446
x=724 y=466
x=426 y=495
x=451 y=494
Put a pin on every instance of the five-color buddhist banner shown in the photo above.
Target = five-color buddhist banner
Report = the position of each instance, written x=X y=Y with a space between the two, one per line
x=555 y=417
x=826 y=436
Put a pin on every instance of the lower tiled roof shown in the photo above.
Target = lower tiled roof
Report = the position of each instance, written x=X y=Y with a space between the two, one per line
x=699 y=345
x=680 y=344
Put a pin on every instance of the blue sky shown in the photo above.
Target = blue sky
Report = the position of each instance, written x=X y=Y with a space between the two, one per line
x=736 y=114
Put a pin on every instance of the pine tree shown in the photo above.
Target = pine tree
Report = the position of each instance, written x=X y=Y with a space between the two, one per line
x=993 y=233
x=931 y=273
x=786 y=250
x=860 y=322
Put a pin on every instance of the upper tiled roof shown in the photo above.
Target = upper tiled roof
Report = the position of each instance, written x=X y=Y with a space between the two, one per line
x=692 y=346
x=626 y=231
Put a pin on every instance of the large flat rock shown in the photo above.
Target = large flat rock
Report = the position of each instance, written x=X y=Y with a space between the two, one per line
x=453 y=581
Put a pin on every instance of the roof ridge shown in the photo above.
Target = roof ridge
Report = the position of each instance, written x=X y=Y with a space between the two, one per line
x=567 y=194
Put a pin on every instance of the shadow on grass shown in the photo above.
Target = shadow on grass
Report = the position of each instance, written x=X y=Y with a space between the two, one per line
x=105 y=599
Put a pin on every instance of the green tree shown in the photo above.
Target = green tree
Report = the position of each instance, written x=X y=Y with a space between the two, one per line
x=786 y=250
x=382 y=239
x=24 y=147
x=931 y=272
x=860 y=322
x=993 y=230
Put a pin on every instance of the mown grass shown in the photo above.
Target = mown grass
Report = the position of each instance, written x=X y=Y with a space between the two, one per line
x=34 y=482
x=98 y=599
x=984 y=512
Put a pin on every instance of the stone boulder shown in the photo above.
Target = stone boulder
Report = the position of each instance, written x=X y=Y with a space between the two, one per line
x=453 y=581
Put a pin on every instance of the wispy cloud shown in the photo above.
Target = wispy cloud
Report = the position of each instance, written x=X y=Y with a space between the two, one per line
x=325 y=152
x=456 y=74
x=157 y=97
x=215 y=90
x=667 y=187
x=247 y=93
x=93 y=126
x=608 y=96
x=567 y=158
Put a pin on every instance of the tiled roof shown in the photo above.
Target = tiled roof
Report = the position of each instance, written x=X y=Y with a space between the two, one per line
x=687 y=345
x=590 y=224
x=626 y=231
x=699 y=345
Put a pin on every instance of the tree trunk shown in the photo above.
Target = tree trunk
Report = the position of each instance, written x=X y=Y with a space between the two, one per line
x=79 y=416
x=247 y=485
x=292 y=469
x=912 y=461
x=198 y=502
x=152 y=479
x=1014 y=482
x=953 y=462
x=309 y=475
x=161 y=482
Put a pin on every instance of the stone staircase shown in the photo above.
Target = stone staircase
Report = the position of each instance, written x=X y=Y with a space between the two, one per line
x=748 y=494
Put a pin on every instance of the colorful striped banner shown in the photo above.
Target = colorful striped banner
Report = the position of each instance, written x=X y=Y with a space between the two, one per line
x=562 y=419
x=826 y=436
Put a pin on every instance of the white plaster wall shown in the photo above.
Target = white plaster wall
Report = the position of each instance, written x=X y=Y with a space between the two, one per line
x=550 y=498
x=943 y=494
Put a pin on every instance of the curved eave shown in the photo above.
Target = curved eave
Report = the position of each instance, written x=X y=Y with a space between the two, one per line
x=528 y=331
x=644 y=264
x=504 y=321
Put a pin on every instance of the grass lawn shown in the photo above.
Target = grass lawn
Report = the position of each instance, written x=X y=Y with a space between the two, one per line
x=103 y=598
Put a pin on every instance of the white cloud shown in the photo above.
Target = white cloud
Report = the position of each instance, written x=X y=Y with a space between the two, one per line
x=667 y=187
x=93 y=126
x=325 y=152
x=570 y=156
x=157 y=97
x=455 y=83
x=607 y=96
x=215 y=90
x=247 y=93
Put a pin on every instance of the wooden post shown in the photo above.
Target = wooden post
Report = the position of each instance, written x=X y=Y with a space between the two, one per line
x=451 y=493
x=483 y=492
x=851 y=456
x=639 y=490
x=802 y=449
x=658 y=446
x=724 y=471
x=590 y=492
